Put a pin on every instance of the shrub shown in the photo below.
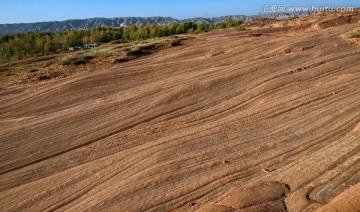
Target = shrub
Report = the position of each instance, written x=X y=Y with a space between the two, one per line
x=77 y=59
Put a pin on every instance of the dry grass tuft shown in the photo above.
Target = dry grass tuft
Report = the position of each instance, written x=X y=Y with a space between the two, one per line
x=353 y=36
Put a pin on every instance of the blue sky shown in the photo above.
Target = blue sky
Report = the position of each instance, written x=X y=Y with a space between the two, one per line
x=26 y=11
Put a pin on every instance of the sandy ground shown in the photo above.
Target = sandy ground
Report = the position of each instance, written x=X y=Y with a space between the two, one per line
x=229 y=121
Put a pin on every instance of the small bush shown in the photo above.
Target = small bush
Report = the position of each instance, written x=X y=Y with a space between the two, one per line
x=49 y=75
x=353 y=35
x=77 y=59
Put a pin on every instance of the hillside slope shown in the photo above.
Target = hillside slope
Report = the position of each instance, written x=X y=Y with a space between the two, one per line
x=262 y=119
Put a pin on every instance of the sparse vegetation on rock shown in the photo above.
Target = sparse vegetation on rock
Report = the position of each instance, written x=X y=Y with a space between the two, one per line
x=32 y=44
x=353 y=35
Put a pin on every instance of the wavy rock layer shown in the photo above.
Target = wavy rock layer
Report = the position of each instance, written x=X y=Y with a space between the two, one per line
x=228 y=122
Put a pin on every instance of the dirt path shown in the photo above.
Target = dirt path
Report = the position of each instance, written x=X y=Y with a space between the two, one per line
x=231 y=121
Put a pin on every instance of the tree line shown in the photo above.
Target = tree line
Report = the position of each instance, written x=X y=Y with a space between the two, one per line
x=24 y=45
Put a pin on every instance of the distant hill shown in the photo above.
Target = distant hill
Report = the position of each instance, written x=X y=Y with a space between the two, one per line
x=117 y=22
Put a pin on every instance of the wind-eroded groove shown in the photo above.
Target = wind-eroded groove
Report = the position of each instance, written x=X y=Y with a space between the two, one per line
x=193 y=124
x=311 y=66
x=254 y=167
x=91 y=141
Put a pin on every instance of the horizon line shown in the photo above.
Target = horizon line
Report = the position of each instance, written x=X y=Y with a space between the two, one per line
x=131 y=17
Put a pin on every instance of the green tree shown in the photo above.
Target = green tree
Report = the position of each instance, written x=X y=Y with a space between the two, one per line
x=49 y=47
x=172 y=29
x=237 y=23
x=133 y=32
x=143 y=32
x=220 y=26
x=200 y=27
x=229 y=23
x=74 y=39
x=164 y=31
x=154 y=31
x=118 y=34
x=187 y=26
x=126 y=33
x=179 y=29
x=104 y=37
